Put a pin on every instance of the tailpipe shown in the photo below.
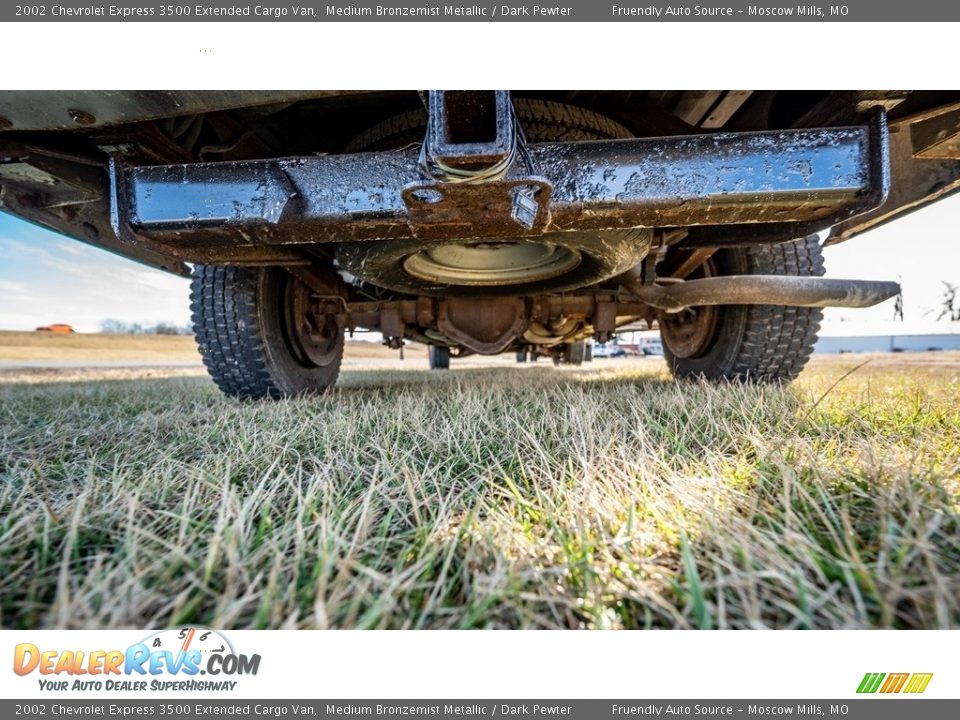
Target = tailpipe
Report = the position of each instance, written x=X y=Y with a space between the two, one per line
x=762 y=290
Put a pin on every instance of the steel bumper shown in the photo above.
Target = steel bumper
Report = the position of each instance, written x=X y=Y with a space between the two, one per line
x=810 y=178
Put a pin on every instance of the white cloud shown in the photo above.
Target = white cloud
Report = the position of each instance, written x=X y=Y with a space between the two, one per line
x=83 y=288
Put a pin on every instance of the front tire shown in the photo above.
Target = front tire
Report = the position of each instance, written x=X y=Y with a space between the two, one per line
x=750 y=343
x=257 y=335
x=575 y=353
x=571 y=354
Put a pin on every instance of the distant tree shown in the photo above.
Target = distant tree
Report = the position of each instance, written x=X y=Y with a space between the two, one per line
x=114 y=327
x=949 y=305
x=165 y=328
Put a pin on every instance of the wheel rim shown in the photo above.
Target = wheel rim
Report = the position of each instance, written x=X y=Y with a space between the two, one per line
x=521 y=266
x=312 y=337
x=492 y=262
x=690 y=332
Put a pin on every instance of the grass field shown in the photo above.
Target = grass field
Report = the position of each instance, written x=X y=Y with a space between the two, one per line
x=80 y=348
x=532 y=497
x=77 y=347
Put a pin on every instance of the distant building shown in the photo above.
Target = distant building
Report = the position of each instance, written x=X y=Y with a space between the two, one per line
x=56 y=328
x=887 y=343
x=634 y=337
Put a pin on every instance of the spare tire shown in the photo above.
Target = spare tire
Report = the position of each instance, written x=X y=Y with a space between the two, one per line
x=550 y=262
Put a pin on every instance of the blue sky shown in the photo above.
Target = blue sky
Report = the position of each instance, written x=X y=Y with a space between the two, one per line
x=47 y=278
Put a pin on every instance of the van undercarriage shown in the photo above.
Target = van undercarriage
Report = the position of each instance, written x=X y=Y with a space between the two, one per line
x=484 y=221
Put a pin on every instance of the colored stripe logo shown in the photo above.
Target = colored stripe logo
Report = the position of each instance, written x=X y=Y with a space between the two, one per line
x=913 y=683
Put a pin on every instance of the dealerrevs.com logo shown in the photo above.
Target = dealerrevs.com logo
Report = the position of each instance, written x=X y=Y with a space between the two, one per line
x=182 y=660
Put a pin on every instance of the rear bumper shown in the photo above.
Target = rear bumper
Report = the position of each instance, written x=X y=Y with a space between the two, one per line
x=794 y=182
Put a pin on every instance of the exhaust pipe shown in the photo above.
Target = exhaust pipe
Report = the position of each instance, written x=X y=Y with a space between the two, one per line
x=762 y=290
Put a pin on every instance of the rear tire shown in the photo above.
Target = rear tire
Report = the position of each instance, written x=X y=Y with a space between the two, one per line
x=439 y=356
x=750 y=343
x=253 y=337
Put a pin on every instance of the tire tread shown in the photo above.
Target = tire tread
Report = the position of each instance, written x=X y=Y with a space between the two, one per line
x=777 y=340
x=223 y=305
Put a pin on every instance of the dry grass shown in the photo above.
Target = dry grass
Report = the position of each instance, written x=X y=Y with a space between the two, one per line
x=496 y=497
x=78 y=348
x=74 y=347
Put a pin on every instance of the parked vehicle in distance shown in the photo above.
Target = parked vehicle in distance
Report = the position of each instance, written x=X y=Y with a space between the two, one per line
x=608 y=350
x=56 y=328
x=484 y=221
x=651 y=346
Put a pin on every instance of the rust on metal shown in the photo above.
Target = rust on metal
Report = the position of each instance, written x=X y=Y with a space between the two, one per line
x=688 y=332
x=469 y=129
x=765 y=290
x=487 y=325
x=81 y=117
x=937 y=137
x=490 y=325
x=680 y=263
x=779 y=177
x=443 y=211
